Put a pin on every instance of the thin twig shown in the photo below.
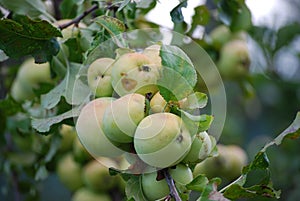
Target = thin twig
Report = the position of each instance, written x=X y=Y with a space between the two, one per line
x=80 y=17
x=171 y=184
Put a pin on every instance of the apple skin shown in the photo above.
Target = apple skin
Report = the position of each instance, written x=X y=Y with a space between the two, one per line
x=153 y=189
x=85 y=194
x=81 y=155
x=227 y=165
x=69 y=172
x=134 y=73
x=68 y=134
x=96 y=177
x=153 y=53
x=234 y=59
x=220 y=35
x=89 y=129
x=21 y=91
x=99 y=77
x=181 y=174
x=158 y=104
x=121 y=118
x=162 y=140
x=202 y=146
x=70 y=31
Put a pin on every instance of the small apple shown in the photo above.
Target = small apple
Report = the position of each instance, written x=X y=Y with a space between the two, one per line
x=89 y=129
x=99 y=77
x=202 y=147
x=153 y=189
x=70 y=31
x=68 y=135
x=227 y=165
x=69 y=172
x=181 y=174
x=21 y=91
x=134 y=73
x=234 y=59
x=162 y=140
x=220 y=35
x=96 y=177
x=158 y=104
x=121 y=118
x=153 y=53
x=85 y=194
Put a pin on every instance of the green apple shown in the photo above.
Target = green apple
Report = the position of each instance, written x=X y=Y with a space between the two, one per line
x=134 y=73
x=153 y=53
x=234 y=59
x=158 y=104
x=33 y=74
x=121 y=118
x=81 y=155
x=89 y=129
x=68 y=134
x=227 y=165
x=162 y=140
x=202 y=147
x=96 y=177
x=69 y=172
x=220 y=35
x=153 y=189
x=99 y=77
x=181 y=174
x=70 y=31
x=85 y=194
x=21 y=91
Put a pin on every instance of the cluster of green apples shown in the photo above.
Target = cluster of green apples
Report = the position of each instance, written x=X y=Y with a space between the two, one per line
x=83 y=175
x=29 y=77
x=234 y=59
x=138 y=121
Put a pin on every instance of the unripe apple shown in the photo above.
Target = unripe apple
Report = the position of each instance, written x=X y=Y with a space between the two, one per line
x=99 y=77
x=162 y=140
x=89 y=129
x=85 y=194
x=158 y=104
x=234 y=59
x=69 y=172
x=219 y=36
x=81 y=155
x=68 y=135
x=121 y=118
x=181 y=174
x=70 y=31
x=227 y=165
x=202 y=146
x=153 y=189
x=96 y=177
x=32 y=73
x=21 y=91
x=134 y=73
x=153 y=53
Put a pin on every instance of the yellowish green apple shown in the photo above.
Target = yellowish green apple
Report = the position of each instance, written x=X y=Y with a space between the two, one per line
x=134 y=73
x=86 y=194
x=152 y=188
x=122 y=116
x=162 y=140
x=99 y=77
x=158 y=104
x=153 y=53
x=81 y=155
x=68 y=134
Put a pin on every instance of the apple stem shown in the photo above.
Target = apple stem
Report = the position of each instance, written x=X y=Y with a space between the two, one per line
x=80 y=17
x=171 y=184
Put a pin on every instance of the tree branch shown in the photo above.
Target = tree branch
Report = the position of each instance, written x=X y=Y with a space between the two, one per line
x=171 y=184
x=80 y=17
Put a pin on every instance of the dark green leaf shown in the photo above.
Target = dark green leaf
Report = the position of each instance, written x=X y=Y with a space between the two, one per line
x=176 y=12
x=241 y=19
x=9 y=106
x=287 y=34
x=32 y=8
x=3 y=56
x=75 y=50
x=201 y=17
x=176 y=66
x=24 y=36
x=69 y=8
x=134 y=190
x=123 y=5
x=260 y=161
x=198 y=184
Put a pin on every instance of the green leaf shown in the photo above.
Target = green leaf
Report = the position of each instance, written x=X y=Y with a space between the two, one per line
x=75 y=50
x=287 y=34
x=176 y=12
x=32 y=8
x=201 y=17
x=176 y=66
x=69 y=8
x=3 y=56
x=9 y=106
x=198 y=184
x=134 y=190
x=114 y=27
x=260 y=161
x=196 y=123
x=207 y=188
x=123 y=5
x=42 y=173
x=24 y=36
x=44 y=125
x=72 y=87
